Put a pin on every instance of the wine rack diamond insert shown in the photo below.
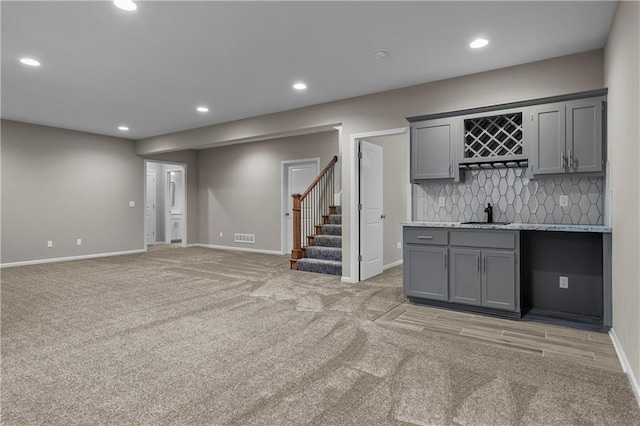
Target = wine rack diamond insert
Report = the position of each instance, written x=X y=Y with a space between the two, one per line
x=493 y=137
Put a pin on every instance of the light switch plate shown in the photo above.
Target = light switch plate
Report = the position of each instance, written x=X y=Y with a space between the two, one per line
x=132 y=203
x=441 y=201
x=221 y=235
x=399 y=245
x=49 y=244
x=79 y=241
x=564 y=200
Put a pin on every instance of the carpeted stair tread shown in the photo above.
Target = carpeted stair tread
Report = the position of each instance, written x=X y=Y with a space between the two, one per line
x=332 y=229
x=328 y=241
x=322 y=266
x=335 y=219
x=338 y=209
x=326 y=253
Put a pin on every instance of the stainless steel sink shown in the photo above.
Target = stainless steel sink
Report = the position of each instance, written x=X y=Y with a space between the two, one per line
x=485 y=223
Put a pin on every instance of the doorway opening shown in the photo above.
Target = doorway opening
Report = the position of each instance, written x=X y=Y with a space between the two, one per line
x=381 y=199
x=165 y=203
x=295 y=177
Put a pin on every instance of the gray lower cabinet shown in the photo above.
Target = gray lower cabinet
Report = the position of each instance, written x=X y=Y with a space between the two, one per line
x=469 y=267
x=465 y=277
x=426 y=272
x=499 y=279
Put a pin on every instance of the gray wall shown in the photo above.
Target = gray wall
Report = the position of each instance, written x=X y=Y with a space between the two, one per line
x=622 y=77
x=62 y=185
x=240 y=188
x=388 y=110
x=394 y=194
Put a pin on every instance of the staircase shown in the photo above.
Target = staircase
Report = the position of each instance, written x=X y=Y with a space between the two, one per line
x=323 y=253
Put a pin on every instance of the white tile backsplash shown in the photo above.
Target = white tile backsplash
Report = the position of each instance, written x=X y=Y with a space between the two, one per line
x=514 y=197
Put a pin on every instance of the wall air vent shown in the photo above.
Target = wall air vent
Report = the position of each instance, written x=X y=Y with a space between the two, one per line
x=245 y=238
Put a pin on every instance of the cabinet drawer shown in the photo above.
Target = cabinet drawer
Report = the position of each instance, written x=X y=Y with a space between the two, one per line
x=484 y=239
x=426 y=236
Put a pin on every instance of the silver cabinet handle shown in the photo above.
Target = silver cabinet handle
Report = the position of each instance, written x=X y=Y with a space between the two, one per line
x=478 y=258
x=444 y=255
x=484 y=264
x=570 y=158
x=425 y=237
x=562 y=159
x=450 y=168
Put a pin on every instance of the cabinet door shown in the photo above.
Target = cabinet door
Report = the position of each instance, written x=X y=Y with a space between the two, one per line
x=432 y=150
x=425 y=275
x=465 y=277
x=499 y=280
x=549 y=138
x=584 y=135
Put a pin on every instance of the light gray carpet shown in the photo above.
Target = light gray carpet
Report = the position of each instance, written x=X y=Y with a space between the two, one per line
x=199 y=336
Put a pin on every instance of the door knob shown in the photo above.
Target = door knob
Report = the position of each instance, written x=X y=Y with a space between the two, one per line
x=382 y=216
x=286 y=214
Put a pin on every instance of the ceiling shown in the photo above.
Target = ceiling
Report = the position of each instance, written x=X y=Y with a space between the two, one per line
x=103 y=67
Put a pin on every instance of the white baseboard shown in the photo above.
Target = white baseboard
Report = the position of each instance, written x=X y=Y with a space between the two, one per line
x=212 y=246
x=65 y=259
x=626 y=366
x=392 y=265
x=348 y=280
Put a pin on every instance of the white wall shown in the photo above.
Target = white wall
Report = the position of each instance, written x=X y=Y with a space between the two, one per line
x=388 y=110
x=62 y=185
x=622 y=77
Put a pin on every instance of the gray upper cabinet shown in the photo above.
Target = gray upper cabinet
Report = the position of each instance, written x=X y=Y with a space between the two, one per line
x=432 y=148
x=584 y=135
x=549 y=138
x=567 y=137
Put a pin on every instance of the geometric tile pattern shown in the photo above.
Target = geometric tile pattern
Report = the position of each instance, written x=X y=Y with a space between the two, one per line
x=514 y=197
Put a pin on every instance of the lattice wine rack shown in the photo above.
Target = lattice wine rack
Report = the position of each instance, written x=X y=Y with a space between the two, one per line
x=499 y=136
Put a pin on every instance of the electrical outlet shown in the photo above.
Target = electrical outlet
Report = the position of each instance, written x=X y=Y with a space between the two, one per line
x=49 y=244
x=399 y=245
x=564 y=200
x=132 y=203
x=79 y=241
x=221 y=235
x=441 y=201
x=564 y=282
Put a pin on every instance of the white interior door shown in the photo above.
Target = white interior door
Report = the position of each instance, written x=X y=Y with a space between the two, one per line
x=299 y=176
x=371 y=215
x=150 y=207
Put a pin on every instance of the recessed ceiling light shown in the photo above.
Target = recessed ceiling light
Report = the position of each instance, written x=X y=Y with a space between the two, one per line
x=202 y=109
x=127 y=5
x=123 y=128
x=299 y=86
x=478 y=43
x=30 y=61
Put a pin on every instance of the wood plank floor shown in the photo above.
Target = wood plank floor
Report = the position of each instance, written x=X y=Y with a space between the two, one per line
x=585 y=347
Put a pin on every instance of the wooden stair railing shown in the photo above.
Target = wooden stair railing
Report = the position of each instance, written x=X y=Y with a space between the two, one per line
x=310 y=207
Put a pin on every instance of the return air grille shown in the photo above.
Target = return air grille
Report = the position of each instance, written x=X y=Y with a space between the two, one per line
x=245 y=238
x=496 y=136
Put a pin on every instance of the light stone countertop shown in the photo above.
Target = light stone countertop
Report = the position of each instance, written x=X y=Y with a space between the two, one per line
x=514 y=226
